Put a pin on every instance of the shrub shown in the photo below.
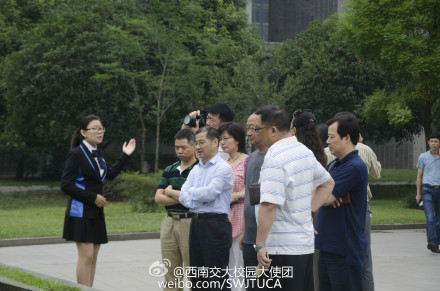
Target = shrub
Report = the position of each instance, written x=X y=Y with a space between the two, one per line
x=410 y=202
x=137 y=188
x=406 y=193
x=392 y=191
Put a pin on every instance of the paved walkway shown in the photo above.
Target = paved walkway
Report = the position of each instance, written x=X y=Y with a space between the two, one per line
x=11 y=189
x=400 y=258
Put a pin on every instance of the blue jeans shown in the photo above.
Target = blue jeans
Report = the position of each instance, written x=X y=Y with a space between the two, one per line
x=431 y=205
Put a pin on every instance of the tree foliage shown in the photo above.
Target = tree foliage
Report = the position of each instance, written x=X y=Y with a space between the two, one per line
x=139 y=65
x=402 y=37
x=319 y=71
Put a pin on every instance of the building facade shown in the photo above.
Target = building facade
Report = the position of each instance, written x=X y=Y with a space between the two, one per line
x=278 y=20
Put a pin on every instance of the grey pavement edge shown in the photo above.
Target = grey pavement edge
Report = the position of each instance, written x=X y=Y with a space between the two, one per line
x=156 y=235
x=42 y=276
x=59 y=240
x=401 y=262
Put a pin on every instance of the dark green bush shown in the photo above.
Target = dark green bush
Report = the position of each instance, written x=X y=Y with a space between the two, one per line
x=133 y=163
x=113 y=190
x=392 y=191
x=138 y=189
x=406 y=193
x=410 y=202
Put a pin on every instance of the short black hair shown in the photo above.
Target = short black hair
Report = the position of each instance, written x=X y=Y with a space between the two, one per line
x=347 y=124
x=211 y=132
x=434 y=135
x=186 y=134
x=345 y=113
x=275 y=115
x=236 y=130
x=225 y=113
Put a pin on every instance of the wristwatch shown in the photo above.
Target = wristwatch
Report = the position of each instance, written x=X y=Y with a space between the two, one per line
x=257 y=248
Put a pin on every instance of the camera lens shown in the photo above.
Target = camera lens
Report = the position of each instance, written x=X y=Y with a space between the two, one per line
x=189 y=121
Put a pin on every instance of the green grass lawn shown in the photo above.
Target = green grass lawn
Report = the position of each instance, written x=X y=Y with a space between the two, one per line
x=38 y=214
x=32 y=280
x=394 y=211
x=41 y=214
x=396 y=175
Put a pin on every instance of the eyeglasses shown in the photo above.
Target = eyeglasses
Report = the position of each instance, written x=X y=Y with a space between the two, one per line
x=299 y=111
x=225 y=138
x=250 y=128
x=257 y=129
x=97 y=129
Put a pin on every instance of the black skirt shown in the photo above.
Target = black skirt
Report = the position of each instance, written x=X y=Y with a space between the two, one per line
x=85 y=230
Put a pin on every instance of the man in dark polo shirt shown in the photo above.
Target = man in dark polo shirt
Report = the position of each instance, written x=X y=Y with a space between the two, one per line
x=174 y=232
x=341 y=239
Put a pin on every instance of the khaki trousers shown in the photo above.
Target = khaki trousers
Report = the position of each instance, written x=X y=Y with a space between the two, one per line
x=174 y=243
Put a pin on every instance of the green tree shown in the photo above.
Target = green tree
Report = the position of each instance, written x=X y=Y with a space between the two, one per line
x=16 y=18
x=149 y=53
x=180 y=51
x=48 y=83
x=402 y=37
x=136 y=64
x=317 y=70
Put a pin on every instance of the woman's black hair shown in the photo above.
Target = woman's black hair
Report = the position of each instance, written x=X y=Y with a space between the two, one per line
x=323 y=133
x=236 y=130
x=77 y=137
x=307 y=134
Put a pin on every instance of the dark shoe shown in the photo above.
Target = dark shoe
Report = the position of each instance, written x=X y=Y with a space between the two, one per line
x=433 y=248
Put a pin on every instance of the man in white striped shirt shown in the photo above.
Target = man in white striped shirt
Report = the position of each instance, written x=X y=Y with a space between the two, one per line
x=293 y=184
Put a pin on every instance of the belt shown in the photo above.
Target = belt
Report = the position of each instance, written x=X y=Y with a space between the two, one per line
x=178 y=216
x=209 y=215
x=432 y=187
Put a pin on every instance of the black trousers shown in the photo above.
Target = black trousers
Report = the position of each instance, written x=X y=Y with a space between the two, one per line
x=302 y=266
x=210 y=239
x=336 y=275
x=250 y=261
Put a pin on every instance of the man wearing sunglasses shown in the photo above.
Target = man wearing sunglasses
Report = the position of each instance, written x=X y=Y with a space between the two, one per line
x=292 y=185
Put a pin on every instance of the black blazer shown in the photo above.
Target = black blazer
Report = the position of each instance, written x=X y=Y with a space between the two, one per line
x=82 y=181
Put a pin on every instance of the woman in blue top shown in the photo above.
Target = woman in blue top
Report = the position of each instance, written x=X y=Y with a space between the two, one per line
x=82 y=179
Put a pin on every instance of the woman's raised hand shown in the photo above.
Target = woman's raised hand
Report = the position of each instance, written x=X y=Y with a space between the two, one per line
x=130 y=147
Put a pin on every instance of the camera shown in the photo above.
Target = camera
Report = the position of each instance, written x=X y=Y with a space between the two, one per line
x=191 y=121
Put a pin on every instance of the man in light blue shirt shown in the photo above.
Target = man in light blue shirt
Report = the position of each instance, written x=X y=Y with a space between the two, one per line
x=207 y=192
x=428 y=189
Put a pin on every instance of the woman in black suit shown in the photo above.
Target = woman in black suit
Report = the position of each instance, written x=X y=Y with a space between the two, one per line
x=82 y=179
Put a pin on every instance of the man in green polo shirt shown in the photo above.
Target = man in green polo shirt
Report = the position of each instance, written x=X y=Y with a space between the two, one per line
x=174 y=232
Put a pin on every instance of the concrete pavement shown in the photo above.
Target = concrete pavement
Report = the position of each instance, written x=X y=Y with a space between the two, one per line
x=401 y=262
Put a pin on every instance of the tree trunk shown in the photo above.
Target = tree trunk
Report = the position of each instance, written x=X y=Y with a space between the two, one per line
x=156 y=159
x=19 y=171
x=141 y=119
x=427 y=120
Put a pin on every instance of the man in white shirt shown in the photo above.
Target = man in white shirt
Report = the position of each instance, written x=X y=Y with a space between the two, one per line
x=207 y=192
x=293 y=184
